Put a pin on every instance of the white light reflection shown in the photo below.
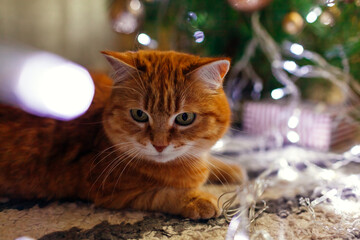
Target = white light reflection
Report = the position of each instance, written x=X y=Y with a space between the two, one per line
x=327 y=174
x=153 y=44
x=192 y=16
x=296 y=49
x=277 y=93
x=125 y=23
x=293 y=122
x=290 y=66
x=241 y=236
x=144 y=39
x=355 y=150
x=51 y=86
x=218 y=145
x=199 y=36
x=25 y=238
x=344 y=206
x=330 y=3
x=286 y=172
x=313 y=15
x=135 y=5
x=293 y=136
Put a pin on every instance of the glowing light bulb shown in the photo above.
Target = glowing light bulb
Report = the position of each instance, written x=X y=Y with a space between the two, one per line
x=288 y=174
x=296 y=49
x=153 y=44
x=293 y=122
x=135 y=5
x=192 y=16
x=277 y=93
x=327 y=174
x=293 y=136
x=144 y=39
x=330 y=3
x=313 y=15
x=241 y=236
x=25 y=238
x=317 y=11
x=199 y=36
x=355 y=150
x=285 y=171
x=125 y=23
x=50 y=87
x=42 y=83
x=218 y=145
x=290 y=66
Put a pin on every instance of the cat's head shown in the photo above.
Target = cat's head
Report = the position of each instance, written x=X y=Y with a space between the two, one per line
x=166 y=105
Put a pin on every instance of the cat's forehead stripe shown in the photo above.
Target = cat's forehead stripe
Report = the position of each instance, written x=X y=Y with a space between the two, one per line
x=163 y=84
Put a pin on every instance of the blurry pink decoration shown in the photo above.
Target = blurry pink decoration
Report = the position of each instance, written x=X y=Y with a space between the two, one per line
x=249 y=5
x=43 y=84
x=304 y=126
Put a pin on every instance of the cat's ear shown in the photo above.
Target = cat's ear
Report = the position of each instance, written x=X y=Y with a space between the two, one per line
x=211 y=73
x=122 y=65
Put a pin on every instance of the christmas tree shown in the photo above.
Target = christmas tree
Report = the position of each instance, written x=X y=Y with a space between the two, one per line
x=329 y=28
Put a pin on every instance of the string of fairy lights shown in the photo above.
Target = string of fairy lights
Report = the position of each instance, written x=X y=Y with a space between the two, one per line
x=328 y=183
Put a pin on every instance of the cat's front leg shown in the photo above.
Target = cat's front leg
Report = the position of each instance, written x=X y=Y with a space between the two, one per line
x=190 y=203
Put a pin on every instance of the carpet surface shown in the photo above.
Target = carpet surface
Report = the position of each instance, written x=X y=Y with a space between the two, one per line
x=288 y=214
x=79 y=220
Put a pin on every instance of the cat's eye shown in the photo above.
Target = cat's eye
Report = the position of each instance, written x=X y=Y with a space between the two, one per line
x=185 y=119
x=139 y=115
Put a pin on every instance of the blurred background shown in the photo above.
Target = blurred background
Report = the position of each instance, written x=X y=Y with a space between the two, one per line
x=79 y=29
x=295 y=51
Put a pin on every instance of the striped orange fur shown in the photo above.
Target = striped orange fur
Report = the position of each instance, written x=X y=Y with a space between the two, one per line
x=142 y=144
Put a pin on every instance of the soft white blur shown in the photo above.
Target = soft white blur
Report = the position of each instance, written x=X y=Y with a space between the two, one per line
x=43 y=84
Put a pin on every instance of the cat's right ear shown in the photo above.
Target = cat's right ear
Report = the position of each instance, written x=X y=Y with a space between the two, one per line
x=211 y=72
x=121 y=63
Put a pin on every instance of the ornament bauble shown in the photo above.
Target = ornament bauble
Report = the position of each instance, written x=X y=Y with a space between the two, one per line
x=293 y=23
x=327 y=18
x=126 y=15
x=249 y=5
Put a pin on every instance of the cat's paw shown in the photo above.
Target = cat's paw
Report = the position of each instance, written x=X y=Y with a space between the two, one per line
x=201 y=207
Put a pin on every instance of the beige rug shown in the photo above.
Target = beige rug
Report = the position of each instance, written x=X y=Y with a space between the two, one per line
x=298 y=209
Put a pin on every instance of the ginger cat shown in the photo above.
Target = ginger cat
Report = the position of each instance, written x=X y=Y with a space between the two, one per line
x=142 y=144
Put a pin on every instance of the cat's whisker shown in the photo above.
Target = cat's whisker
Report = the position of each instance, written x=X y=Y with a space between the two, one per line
x=110 y=165
x=115 y=163
x=214 y=168
x=204 y=149
x=216 y=171
x=103 y=152
x=188 y=159
x=119 y=177
x=236 y=130
x=107 y=167
x=99 y=154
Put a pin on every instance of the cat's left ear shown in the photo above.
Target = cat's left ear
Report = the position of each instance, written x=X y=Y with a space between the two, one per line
x=211 y=73
x=122 y=63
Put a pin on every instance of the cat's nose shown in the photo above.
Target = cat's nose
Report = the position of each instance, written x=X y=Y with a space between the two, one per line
x=159 y=148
